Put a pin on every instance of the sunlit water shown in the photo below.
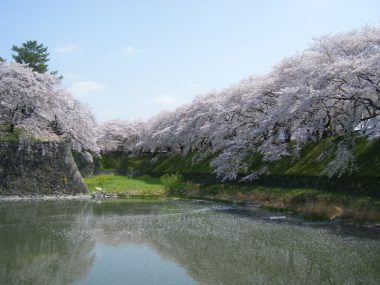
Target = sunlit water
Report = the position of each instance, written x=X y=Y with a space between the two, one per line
x=176 y=242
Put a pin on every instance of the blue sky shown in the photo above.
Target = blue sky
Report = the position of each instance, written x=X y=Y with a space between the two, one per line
x=133 y=59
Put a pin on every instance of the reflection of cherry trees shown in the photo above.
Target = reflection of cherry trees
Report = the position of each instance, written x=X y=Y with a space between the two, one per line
x=330 y=89
x=215 y=247
x=34 y=102
x=37 y=247
x=56 y=242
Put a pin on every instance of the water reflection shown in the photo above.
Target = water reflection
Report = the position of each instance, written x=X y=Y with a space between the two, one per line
x=178 y=242
x=43 y=243
x=131 y=264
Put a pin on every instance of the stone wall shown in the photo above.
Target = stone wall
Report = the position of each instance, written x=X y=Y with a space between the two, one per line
x=86 y=166
x=36 y=168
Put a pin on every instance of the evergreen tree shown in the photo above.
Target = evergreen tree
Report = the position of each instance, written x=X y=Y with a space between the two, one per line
x=33 y=54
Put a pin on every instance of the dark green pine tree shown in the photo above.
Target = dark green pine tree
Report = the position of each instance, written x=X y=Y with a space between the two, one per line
x=33 y=54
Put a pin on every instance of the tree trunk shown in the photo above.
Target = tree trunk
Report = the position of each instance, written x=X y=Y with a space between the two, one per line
x=11 y=127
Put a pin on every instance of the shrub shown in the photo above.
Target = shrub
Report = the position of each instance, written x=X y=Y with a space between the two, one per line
x=171 y=181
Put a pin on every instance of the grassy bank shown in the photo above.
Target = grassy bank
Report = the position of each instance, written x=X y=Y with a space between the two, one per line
x=306 y=171
x=295 y=183
x=311 y=203
x=124 y=186
x=311 y=161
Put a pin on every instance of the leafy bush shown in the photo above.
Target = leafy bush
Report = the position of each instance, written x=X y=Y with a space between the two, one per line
x=171 y=181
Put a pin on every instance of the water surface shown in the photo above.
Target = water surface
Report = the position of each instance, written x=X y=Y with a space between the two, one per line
x=176 y=242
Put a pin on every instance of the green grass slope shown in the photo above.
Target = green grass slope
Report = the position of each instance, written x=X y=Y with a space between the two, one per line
x=306 y=171
x=124 y=185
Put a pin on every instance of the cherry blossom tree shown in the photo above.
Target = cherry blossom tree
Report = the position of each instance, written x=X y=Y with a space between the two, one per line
x=35 y=103
x=330 y=89
x=119 y=136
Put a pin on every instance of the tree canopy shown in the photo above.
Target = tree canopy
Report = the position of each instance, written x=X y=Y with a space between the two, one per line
x=33 y=54
x=36 y=103
x=330 y=89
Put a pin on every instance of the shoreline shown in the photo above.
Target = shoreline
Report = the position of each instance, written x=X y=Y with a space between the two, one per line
x=329 y=215
x=88 y=197
x=325 y=212
x=52 y=197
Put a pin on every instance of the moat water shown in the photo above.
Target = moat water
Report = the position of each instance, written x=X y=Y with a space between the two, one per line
x=177 y=242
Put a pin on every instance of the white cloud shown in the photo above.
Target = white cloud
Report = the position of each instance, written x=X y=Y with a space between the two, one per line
x=165 y=99
x=67 y=49
x=131 y=50
x=86 y=88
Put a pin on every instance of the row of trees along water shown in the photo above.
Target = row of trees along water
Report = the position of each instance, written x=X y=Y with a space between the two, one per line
x=330 y=89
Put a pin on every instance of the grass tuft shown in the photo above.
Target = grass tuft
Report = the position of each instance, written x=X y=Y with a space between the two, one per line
x=171 y=181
